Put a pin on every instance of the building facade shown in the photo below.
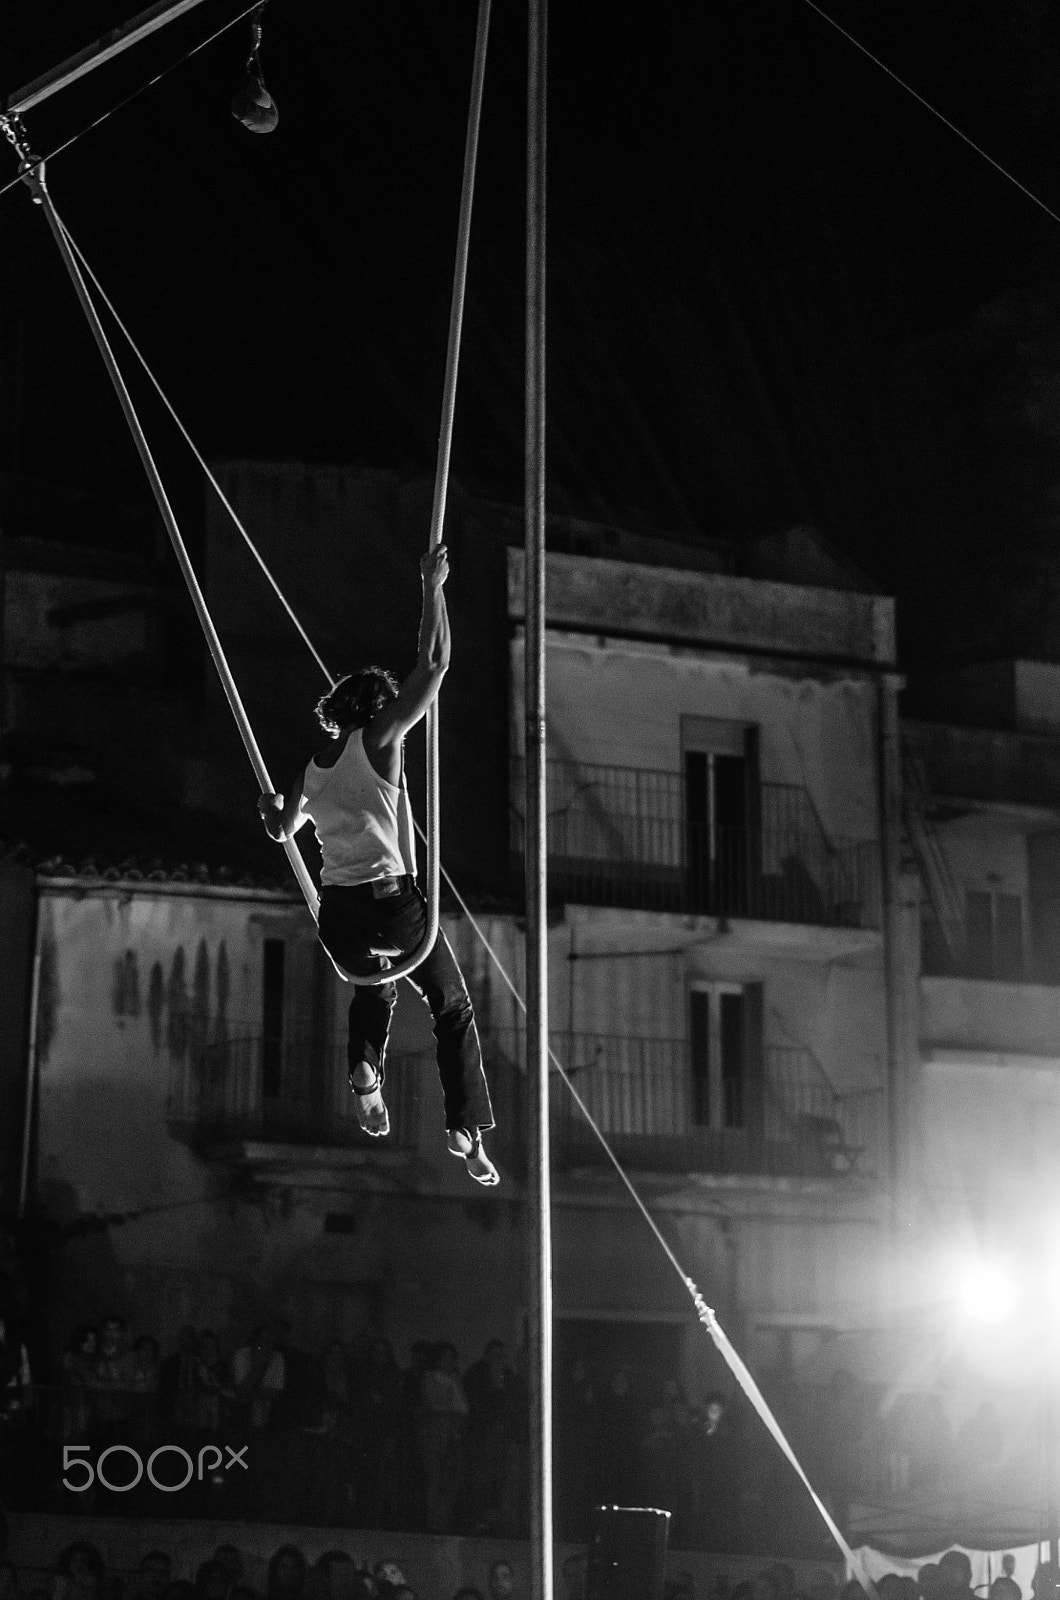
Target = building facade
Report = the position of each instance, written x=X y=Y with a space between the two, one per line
x=725 y=989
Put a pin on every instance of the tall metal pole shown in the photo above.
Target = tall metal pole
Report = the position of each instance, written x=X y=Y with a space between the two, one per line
x=539 y=1196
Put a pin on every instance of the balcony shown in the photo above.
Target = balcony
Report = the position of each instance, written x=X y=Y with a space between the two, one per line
x=290 y=1091
x=782 y=1120
x=785 y=1121
x=622 y=836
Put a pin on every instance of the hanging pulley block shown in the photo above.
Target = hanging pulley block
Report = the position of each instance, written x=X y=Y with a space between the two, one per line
x=252 y=104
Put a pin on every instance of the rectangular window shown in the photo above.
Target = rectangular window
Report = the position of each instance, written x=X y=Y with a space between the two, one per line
x=718 y=777
x=731 y=1036
x=1008 y=936
x=719 y=1057
x=699 y=1055
x=273 y=962
x=994 y=934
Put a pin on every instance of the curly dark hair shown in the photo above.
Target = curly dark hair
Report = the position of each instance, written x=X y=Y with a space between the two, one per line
x=355 y=699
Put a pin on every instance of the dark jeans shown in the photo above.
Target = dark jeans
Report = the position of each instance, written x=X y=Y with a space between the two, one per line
x=361 y=929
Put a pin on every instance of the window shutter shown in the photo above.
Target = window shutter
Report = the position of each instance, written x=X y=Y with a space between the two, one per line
x=754 y=1062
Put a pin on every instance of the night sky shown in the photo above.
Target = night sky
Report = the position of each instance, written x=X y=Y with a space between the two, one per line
x=779 y=290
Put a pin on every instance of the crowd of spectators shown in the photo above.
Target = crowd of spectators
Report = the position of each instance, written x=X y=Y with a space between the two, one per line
x=351 y=1438
x=80 y=1573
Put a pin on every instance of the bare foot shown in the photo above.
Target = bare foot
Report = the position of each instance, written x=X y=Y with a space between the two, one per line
x=468 y=1145
x=368 y=1101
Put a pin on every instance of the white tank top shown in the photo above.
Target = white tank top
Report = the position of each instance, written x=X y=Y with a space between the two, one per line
x=364 y=823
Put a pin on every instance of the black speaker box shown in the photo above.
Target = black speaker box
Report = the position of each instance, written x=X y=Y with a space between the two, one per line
x=627 y=1553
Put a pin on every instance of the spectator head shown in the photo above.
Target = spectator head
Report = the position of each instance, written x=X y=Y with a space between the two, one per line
x=1008 y=1564
x=212 y=1582
x=287 y=1573
x=852 y=1590
x=227 y=1556
x=80 y=1559
x=112 y=1335
x=84 y=1341
x=153 y=1575
x=502 y=1578
x=955 y=1571
x=341 y=1580
x=889 y=1587
x=388 y=1576
x=928 y=1582
x=1004 y=1588
x=714 y=1407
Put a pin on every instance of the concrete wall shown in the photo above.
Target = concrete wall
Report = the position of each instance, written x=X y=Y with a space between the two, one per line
x=710 y=609
x=1016 y=1018
x=992 y=1126
x=617 y=702
x=134 y=977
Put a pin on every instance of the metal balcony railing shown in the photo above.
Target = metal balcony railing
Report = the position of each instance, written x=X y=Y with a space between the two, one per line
x=289 y=1091
x=781 y=1118
x=622 y=836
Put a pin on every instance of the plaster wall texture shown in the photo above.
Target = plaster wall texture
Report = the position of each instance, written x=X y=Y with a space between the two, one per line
x=635 y=982
x=990 y=1129
x=1037 y=696
x=621 y=703
x=1015 y=1018
x=423 y=1256
x=38 y=634
x=743 y=613
x=134 y=981
x=987 y=852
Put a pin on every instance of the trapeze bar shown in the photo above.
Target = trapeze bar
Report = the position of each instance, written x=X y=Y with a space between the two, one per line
x=94 y=55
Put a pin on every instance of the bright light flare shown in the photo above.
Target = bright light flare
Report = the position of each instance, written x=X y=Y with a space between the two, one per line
x=986 y=1291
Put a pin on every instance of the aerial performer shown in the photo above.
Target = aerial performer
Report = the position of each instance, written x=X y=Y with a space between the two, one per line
x=371 y=908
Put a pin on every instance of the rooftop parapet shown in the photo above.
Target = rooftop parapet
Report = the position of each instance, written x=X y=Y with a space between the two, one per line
x=712 y=610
